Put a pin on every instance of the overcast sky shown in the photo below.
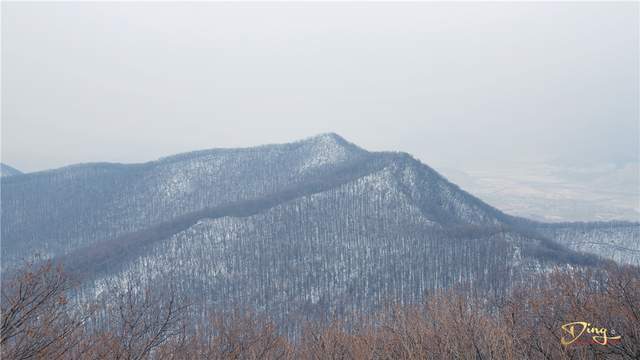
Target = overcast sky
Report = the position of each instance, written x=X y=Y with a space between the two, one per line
x=454 y=84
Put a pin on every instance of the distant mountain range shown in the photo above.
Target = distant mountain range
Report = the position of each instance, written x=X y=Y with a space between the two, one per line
x=6 y=170
x=290 y=228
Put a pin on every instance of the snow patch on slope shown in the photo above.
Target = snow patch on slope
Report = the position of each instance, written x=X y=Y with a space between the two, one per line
x=324 y=150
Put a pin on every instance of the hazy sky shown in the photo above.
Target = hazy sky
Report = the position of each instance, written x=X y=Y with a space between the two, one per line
x=454 y=84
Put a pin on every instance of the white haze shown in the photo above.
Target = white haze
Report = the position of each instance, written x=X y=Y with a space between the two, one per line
x=462 y=86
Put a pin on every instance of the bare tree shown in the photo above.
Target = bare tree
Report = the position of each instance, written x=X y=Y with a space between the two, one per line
x=37 y=318
x=139 y=320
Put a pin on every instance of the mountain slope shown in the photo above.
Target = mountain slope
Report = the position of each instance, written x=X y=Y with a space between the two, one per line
x=305 y=227
x=618 y=241
x=56 y=211
x=349 y=245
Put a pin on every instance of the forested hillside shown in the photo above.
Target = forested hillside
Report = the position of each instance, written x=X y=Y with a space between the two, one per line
x=310 y=228
x=531 y=321
x=619 y=241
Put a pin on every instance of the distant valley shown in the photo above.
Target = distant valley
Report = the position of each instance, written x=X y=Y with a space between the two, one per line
x=557 y=192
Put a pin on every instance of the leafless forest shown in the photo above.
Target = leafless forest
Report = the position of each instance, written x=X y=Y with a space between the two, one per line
x=309 y=250
x=40 y=322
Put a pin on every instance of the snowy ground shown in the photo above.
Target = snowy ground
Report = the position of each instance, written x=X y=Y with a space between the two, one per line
x=552 y=192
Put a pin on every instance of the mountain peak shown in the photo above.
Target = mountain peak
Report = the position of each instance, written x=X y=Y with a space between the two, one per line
x=326 y=137
x=331 y=139
x=330 y=135
x=325 y=149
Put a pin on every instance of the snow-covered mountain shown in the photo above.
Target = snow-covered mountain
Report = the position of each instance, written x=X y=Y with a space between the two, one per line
x=302 y=227
x=56 y=211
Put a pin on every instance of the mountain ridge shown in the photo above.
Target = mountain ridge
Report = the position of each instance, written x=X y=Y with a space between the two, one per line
x=236 y=223
x=188 y=155
x=329 y=143
x=252 y=207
